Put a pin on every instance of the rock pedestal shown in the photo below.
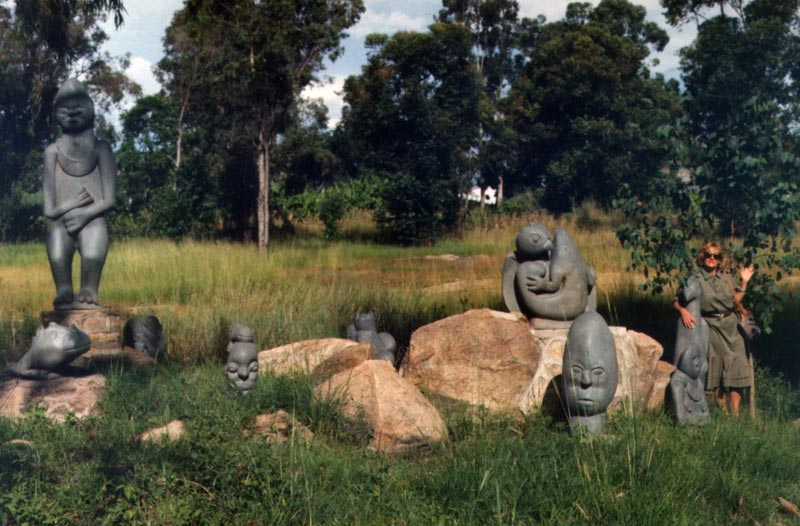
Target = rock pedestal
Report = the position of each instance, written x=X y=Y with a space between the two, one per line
x=59 y=397
x=102 y=326
x=496 y=360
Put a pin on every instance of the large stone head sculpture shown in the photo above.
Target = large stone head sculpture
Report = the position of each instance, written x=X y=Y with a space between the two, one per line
x=242 y=366
x=589 y=371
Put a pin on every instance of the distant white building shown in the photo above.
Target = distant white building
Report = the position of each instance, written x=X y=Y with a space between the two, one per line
x=474 y=195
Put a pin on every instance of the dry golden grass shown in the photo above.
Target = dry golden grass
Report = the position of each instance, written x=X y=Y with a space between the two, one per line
x=304 y=288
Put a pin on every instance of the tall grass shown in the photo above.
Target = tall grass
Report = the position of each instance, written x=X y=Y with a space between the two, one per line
x=492 y=470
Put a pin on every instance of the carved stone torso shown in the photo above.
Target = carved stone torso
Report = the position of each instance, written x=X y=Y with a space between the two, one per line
x=76 y=172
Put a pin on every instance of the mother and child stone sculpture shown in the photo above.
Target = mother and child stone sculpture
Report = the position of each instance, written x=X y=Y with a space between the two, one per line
x=691 y=359
x=79 y=187
x=590 y=373
x=547 y=278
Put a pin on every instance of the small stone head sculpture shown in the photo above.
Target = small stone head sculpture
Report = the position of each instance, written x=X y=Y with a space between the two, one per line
x=589 y=371
x=242 y=367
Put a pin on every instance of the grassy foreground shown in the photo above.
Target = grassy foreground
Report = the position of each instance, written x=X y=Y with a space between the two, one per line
x=492 y=470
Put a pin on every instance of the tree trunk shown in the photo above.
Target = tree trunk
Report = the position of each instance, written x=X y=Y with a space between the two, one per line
x=262 y=162
x=499 y=191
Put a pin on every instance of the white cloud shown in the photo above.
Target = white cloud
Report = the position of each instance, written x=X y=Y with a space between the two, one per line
x=375 y=22
x=141 y=71
x=330 y=93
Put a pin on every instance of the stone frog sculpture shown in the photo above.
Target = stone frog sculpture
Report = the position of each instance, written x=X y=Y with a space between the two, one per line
x=590 y=373
x=242 y=366
x=53 y=348
x=691 y=359
x=364 y=329
x=547 y=278
x=78 y=179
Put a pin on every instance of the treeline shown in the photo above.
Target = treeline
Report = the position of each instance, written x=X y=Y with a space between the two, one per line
x=553 y=112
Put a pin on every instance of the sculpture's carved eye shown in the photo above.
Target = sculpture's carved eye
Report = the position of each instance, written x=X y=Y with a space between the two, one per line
x=577 y=370
x=536 y=239
x=598 y=371
x=233 y=369
x=254 y=367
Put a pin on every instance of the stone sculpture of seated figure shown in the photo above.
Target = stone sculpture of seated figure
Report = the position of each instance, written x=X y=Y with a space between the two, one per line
x=78 y=187
x=691 y=359
x=242 y=366
x=363 y=329
x=590 y=373
x=547 y=278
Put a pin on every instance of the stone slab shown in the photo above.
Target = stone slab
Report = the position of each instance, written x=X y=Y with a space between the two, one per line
x=59 y=397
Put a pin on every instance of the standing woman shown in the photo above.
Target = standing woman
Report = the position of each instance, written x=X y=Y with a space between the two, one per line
x=728 y=368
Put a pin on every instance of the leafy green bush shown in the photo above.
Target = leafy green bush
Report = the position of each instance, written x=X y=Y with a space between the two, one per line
x=332 y=209
x=414 y=212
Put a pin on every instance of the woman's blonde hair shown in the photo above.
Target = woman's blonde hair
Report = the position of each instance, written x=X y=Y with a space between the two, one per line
x=701 y=253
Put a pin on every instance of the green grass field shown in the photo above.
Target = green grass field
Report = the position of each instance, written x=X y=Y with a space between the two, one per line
x=492 y=470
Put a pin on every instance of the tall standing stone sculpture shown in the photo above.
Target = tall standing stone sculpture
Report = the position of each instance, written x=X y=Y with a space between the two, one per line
x=547 y=278
x=691 y=359
x=79 y=187
x=590 y=373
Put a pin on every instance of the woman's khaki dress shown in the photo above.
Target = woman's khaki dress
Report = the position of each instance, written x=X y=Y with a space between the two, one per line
x=727 y=355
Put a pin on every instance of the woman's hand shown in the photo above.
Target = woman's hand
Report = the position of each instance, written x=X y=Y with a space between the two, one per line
x=688 y=320
x=746 y=273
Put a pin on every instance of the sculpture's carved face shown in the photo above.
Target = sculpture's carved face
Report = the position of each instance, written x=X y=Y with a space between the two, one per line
x=589 y=367
x=364 y=321
x=533 y=241
x=692 y=362
x=242 y=367
x=75 y=113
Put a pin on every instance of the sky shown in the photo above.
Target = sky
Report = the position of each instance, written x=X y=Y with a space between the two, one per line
x=146 y=21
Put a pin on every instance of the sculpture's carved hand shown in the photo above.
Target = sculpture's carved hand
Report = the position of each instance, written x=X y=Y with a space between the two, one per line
x=534 y=283
x=75 y=220
x=83 y=198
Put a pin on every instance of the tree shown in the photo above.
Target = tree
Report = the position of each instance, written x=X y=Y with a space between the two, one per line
x=30 y=74
x=494 y=26
x=412 y=117
x=738 y=147
x=235 y=69
x=51 y=21
x=586 y=109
